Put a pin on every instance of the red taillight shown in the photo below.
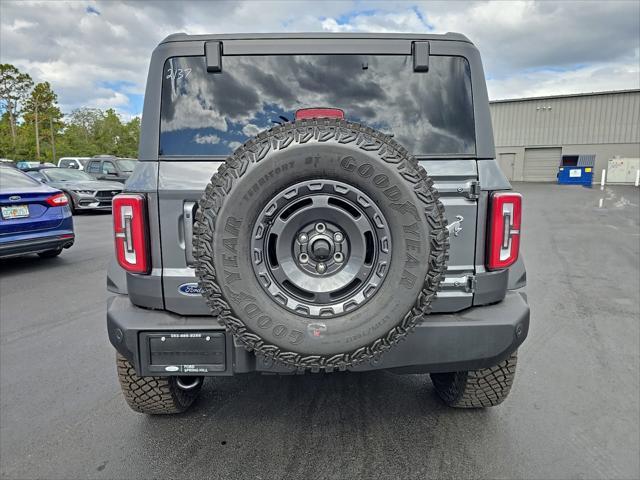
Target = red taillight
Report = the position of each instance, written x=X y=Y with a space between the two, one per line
x=130 y=230
x=57 y=200
x=319 y=113
x=504 y=230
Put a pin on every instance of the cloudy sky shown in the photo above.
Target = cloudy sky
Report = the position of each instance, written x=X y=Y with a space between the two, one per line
x=96 y=53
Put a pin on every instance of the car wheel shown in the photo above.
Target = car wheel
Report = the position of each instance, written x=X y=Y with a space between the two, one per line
x=486 y=387
x=156 y=395
x=320 y=244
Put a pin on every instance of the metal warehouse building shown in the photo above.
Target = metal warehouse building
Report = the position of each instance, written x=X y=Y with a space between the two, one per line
x=533 y=134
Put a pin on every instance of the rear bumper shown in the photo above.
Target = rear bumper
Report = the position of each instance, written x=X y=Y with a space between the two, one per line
x=475 y=338
x=36 y=245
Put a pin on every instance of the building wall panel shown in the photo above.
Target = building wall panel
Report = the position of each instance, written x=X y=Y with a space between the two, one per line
x=587 y=119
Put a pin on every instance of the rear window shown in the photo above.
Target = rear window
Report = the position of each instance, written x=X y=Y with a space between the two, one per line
x=12 y=178
x=66 y=174
x=202 y=113
x=126 y=165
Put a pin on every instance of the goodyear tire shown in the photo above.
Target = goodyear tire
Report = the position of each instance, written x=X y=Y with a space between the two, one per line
x=486 y=387
x=320 y=244
x=153 y=395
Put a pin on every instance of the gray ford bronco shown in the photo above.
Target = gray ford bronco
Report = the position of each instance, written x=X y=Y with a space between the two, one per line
x=316 y=203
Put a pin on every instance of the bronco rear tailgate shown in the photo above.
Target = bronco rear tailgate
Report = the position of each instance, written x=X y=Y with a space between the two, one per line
x=181 y=184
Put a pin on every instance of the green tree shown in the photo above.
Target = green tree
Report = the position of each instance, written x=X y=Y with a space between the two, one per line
x=85 y=119
x=32 y=125
x=42 y=112
x=7 y=147
x=90 y=131
x=78 y=136
x=128 y=146
x=14 y=90
x=108 y=132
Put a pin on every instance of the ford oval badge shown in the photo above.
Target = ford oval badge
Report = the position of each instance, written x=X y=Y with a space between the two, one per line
x=190 y=289
x=15 y=198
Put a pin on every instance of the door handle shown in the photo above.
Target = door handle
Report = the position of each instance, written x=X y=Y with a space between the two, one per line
x=188 y=213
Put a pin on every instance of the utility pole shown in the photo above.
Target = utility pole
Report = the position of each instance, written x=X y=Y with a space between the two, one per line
x=53 y=141
x=37 y=133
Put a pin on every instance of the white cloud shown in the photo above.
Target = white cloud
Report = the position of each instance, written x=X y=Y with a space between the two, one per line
x=250 y=129
x=102 y=59
x=408 y=21
x=593 y=78
x=204 y=139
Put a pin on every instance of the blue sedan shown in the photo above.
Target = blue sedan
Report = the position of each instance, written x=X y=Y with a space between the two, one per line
x=34 y=218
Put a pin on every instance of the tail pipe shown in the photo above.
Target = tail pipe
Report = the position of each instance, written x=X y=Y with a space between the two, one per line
x=188 y=383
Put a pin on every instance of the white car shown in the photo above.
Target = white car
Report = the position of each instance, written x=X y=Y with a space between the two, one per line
x=77 y=163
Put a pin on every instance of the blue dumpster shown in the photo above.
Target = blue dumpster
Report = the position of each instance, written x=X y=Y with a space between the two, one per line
x=576 y=170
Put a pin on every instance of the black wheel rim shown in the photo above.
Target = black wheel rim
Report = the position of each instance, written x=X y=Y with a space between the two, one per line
x=321 y=248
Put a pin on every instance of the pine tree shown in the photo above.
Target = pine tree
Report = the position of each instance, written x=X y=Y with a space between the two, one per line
x=15 y=87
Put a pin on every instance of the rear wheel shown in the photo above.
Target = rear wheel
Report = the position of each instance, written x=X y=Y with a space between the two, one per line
x=156 y=395
x=481 y=388
x=50 y=253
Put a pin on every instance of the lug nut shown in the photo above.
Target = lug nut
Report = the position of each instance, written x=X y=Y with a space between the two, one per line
x=304 y=258
x=321 y=267
x=303 y=238
x=320 y=227
x=338 y=257
x=338 y=237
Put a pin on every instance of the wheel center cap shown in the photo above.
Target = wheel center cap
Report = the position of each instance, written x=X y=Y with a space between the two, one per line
x=321 y=249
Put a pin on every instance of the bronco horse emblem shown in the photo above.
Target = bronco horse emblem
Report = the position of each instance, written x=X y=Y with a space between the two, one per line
x=456 y=227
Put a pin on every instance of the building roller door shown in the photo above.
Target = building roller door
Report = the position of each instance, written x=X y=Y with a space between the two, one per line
x=541 y=164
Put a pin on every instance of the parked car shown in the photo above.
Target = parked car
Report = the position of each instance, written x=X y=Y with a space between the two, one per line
x=82 y=190
x=318 y=244
x=38 y=167
x=77 y=163
x=34 y=218
x=27 y=165
x=105 y=167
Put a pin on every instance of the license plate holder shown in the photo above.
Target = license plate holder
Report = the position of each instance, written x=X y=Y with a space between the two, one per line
x=15 y=211
x=183 y=353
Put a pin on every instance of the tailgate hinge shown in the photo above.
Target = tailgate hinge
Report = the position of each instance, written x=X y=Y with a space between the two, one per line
x=474 y=190
x=471 y=284
x=463 y=283
x=213 y=53
x=420 y=51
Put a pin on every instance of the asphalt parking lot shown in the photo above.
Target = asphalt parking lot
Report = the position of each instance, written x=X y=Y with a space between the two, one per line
x=573 y=412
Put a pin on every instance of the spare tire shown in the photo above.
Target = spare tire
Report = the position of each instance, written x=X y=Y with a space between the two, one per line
x=320 y=243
